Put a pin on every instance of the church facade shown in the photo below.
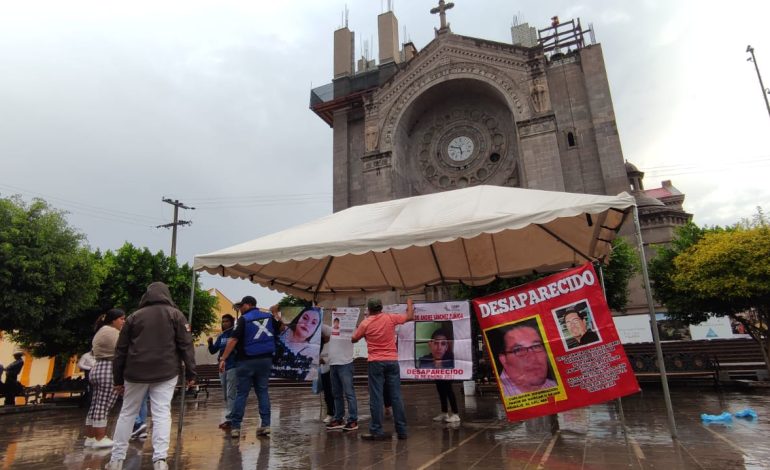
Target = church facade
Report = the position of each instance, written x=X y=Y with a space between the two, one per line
x=535 y=113
x=466 y=111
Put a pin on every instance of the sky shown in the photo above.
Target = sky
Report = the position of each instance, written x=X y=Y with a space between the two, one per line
x=108 y=107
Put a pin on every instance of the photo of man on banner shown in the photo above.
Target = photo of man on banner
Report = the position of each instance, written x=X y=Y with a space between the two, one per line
x=522 y=362
x=576 y=325
x=434 y=345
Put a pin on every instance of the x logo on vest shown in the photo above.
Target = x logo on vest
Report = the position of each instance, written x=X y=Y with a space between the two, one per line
x=262 y=328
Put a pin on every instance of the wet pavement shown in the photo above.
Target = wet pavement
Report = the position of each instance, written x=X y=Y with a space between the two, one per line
x=589 y=438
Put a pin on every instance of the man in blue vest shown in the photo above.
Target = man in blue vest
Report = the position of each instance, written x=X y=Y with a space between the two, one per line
x=253 y=340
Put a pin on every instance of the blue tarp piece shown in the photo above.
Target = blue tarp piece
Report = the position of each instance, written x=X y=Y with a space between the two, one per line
x=748 y=413
x=723 y=418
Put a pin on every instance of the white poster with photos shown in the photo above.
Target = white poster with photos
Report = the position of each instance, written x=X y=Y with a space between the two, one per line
x=344 y=321
x=437 y=344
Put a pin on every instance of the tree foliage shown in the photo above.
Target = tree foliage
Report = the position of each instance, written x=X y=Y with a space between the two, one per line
x=624 y=263
x=52 y=287
x=291 y=301
x=48 y=277
x=724 y=272
x=129 y=271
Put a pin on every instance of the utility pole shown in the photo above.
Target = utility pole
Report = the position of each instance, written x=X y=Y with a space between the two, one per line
x=176 y=222
x=765 y=91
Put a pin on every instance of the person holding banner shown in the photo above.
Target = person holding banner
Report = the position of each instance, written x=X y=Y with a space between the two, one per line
x=524 y=361
x=379 y=331
x=442 y=357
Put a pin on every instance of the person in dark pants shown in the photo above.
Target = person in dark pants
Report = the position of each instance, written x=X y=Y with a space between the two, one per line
x=326 y=382
x=12 y=385
x=253 y=339
x=446 y=394
x=379 y=331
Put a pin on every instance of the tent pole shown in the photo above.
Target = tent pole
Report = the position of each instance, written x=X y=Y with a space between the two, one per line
x=654 y=326
x=184 y=378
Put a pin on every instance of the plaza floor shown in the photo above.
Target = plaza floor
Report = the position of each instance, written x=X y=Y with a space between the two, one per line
x=588 y=438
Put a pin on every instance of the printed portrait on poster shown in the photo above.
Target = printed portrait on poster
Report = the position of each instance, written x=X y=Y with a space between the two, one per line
x=434 y=345
x=521 y=358
x=298 y=346
x=577 y=326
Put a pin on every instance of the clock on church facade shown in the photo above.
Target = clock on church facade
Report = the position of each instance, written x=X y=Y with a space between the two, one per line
x=466 y=111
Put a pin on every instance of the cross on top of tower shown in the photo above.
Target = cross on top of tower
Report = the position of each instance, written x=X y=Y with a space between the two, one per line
x=441 y=10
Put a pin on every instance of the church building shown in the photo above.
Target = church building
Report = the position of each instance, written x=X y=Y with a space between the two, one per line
x=534 y=113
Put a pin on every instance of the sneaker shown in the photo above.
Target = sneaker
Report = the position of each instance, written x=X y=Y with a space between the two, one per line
x=441 y=417
x=143 y=435
x=377 y=437
x=142 y=428
x=114 y=465
x=351 y=426
x=335 y=425
x=453 y=418
x=89 y=442
x=103 y=443
x=235 y=432
x=388 y=411
x=263 y=432
x=328 y=419
x=160 y=465
x=226 y=426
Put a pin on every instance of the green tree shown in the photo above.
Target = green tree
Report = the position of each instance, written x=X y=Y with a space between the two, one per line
x=661 y=267
x=623 y=264
x=48 y=278
x=291 y=301
x=128 y=272
x=724 y=272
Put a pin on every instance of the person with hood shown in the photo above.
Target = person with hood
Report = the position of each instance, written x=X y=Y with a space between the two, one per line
x=153 y=343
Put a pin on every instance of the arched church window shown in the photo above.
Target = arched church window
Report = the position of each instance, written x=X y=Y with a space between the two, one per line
x=571 y=139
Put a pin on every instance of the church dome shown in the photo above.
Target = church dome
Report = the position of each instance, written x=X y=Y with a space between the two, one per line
x=631 y=168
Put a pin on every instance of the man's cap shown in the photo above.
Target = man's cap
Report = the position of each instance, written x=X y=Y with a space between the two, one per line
x=18 y=353
x=374 y=304
x=247 y=300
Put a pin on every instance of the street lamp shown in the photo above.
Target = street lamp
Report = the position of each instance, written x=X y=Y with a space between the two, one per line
x=765 y=91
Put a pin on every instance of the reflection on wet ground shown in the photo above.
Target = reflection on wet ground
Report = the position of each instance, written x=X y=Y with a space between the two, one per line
x=589 y=438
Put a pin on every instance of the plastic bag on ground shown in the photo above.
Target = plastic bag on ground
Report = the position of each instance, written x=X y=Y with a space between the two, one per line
x=723 y=418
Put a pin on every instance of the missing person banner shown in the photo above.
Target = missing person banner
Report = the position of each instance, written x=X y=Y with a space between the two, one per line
x=553 y=345
x=437 y=344
x=298 y=346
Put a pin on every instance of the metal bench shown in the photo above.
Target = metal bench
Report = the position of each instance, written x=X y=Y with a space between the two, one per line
x=679 y=366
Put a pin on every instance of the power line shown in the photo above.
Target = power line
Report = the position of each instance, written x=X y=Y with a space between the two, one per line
x=89 y=210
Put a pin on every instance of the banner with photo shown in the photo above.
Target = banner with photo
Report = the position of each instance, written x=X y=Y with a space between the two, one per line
x=437 y=344
x=298 y=346
x=344 y=321
x=553 y=345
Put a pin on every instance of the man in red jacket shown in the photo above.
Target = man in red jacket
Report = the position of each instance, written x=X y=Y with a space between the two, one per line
x=152 y=345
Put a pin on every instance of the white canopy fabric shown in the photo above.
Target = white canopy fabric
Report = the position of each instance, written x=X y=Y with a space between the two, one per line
x=470 y=235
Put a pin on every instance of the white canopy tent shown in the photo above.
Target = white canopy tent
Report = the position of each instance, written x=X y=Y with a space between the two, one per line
x=470 y=235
